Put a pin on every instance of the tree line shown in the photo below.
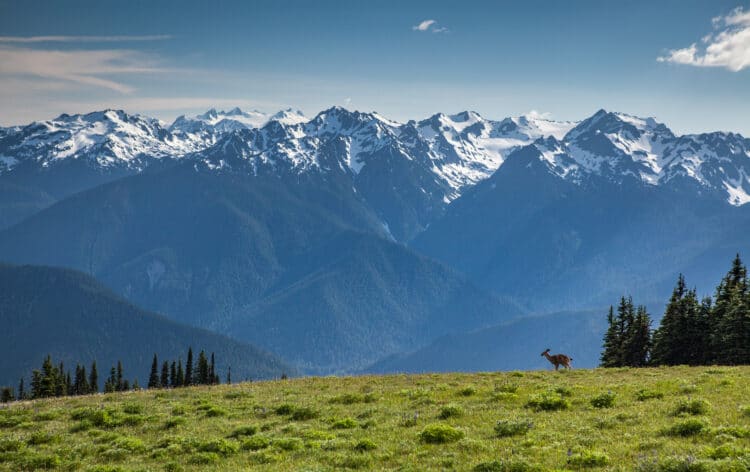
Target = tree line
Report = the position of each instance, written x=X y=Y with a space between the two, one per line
x=52 y=380
x=692 y=331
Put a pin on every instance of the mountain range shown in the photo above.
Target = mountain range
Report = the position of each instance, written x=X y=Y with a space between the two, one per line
x=343 y=239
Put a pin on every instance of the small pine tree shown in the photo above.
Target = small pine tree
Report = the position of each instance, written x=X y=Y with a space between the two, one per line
x=189 y=367
x=6 y=395
x=49 y=378
x=36 y=384
x=180 y=374
x=173 y=375
x=21 y=390
x=202 y=369
x=119 y=382
x=93 y=379
x=637 y=344
x=229 y=375
x=153 y=378
x=611 y=354
x=213 y=377
x=164 y=379
x=669 y=339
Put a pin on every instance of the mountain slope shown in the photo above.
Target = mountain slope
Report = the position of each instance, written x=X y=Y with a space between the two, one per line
x=75 y=319
x=515 y=345
x=562 y=239
x=284 y=262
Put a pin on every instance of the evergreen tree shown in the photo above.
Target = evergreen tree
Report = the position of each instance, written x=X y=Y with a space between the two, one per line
x=48 y=379
x=213 y=377
x=180 y=374
x=6 y=395
x=670 y=338
x=119 y=382
x=189 y=367
x=21 y=390
x=731 y=289
x=36 y=384
x=60 y=389
x=93 y=379
x=164 y=379
x=735 y=329
x=173 y=375
x=229 y=375
x=153 y=378
x=202 y=369
x=610 y=355
x=637 y=343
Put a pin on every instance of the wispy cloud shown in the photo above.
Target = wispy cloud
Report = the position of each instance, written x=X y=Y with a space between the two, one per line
x=81 y=39
x=728 y=46
x=97 y=68
x=431 y=26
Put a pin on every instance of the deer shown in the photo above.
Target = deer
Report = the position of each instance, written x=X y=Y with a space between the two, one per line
x=558 y=359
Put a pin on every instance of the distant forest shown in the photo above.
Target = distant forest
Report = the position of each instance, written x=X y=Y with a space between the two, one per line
x=691 y=332
x=52 y=380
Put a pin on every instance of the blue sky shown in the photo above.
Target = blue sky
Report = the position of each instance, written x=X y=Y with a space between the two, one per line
x=687 y=63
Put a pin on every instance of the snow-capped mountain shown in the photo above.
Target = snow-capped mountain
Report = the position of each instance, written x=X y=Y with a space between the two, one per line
x=617 y=147
x=105 y=138
x=442 y=155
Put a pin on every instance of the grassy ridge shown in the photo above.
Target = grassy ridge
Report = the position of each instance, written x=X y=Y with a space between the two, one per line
x=669 y=419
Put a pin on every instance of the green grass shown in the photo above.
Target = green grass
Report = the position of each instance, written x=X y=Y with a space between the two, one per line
x=664 y=419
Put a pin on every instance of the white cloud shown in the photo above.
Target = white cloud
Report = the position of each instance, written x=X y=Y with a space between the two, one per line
x=431 y=26
x=539 y=115
x=81 y=39
x=84 y=67
x=728 y=47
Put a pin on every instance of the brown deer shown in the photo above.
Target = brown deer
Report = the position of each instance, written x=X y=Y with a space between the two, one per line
x=558 y=359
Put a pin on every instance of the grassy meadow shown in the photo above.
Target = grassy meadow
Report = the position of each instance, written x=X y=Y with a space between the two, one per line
x=662 y=419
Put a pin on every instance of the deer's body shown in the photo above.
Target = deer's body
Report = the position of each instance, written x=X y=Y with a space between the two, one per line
x=558 y=359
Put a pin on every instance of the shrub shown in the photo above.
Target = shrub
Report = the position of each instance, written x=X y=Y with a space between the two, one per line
x=304 y=414
x=689 y=427
x=204 y=458
x=547 y=402
x=344 y=423
x=588 y=459
x=450 y=411
x=685 y=464
x=604 y=400
x=244 y=431
x=40 y=461
x=365 y=445
x=506 y=466
x=284 y=409
x=645 y=394
x=42 y=437
x=507 y=388
x=440 y=433
x=692 y=407
x=347 y=399
x=353 y=462
x=174 y=422
x=129 y=444
x=10 y=445
x=214 y=411
x=467 y=391
x=288 y=444
x=507 y=428
x=132 y=408
x=218 y=446
x=256 y=443
x=564 y=391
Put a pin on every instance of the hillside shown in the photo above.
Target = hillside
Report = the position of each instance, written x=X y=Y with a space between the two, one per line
x=506 y=346
x=71 y=316
x=662 y=419
x=300 y=268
